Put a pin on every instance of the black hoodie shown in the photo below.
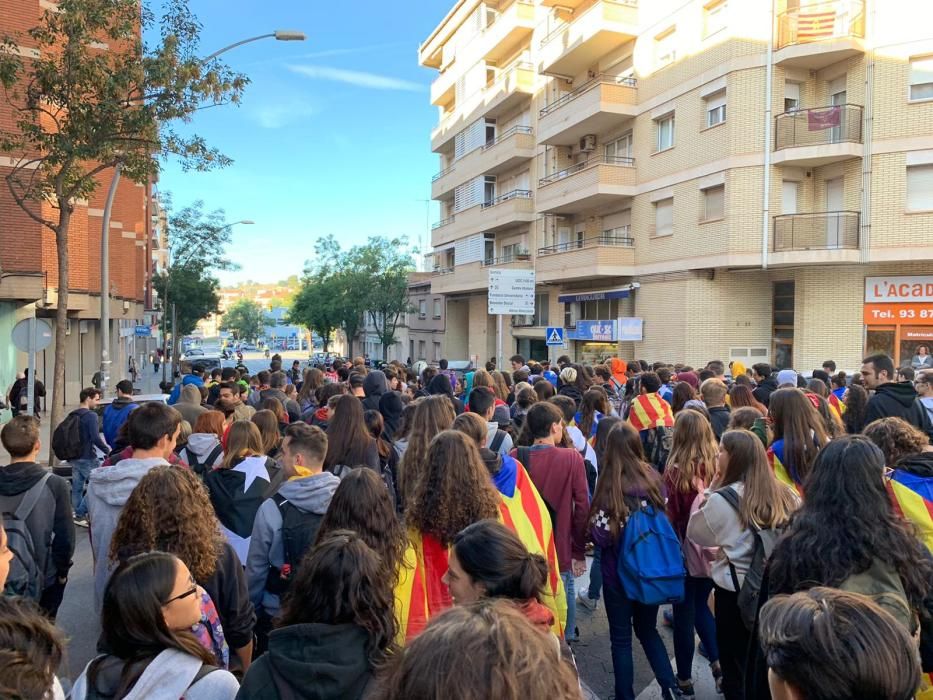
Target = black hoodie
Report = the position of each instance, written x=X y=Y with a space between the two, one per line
x=374 y=386
x=764 y=390
x=919 y=464
x=898 y=400
x=311 y=662
x=441 y=385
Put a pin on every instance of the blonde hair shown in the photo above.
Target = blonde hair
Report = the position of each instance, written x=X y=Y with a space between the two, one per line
x=243 y=440
x=473 y=426
x=694 y=451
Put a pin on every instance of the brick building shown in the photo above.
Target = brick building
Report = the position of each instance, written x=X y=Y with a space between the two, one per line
x=629 y=153
x=29 y=270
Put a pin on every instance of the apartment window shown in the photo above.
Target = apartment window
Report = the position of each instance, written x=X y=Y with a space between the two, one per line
x=716 y=108
x=422 y=308
x=437 y=308
x=541 y=309
x=715 y=17
x=665 y=126
x=783 y=323
x=921 y=78
x=791 y=97
x=920 y=188
x=665 y=47
x=602 y=310
x=664 y=217
x=421 y=350
x=620 y=148
x=713 y=203
x=509 y=252
x=437 y=352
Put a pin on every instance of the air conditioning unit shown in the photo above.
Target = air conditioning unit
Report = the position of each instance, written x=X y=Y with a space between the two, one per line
x=588 y=143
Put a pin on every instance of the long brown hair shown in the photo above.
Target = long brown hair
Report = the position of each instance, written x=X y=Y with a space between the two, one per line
x=243 y=440
x=170 y=510
x=31 y=649
x=741 y=395
x=278 y=410
x=433 y=414
x=800 y=425
x=346 y=433
x=474 y=427
x=766 y=502
x=502 y=389
x=313 y=379
x=210 y=422
x=376 y=424
x=268 y=425
x=454 y=491
x=896 y=438
x=623 y=468
x=594 y=400
x=694 y=451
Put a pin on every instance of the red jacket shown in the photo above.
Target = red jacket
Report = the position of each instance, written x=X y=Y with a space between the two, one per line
x=559 y=476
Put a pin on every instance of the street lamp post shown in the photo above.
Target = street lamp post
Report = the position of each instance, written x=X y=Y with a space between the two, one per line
x=278 y=35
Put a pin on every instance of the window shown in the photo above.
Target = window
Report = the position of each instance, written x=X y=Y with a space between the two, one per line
x=921 y=78
x=602 y=310
x=665 y=132
x=791 y=97
x=664 y=217
x=716 y=108
x=620 y=148
x=422 y=308
x=714 y=203
x=437 y=352
x=665 y=48
x=783 y=324
x=541 y=309
x=421 y=350
x=920 y=188
x=437 y=308
x=509 y=252
x=715 y=17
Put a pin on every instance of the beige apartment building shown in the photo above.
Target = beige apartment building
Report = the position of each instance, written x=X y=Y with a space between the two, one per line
x=733 y=179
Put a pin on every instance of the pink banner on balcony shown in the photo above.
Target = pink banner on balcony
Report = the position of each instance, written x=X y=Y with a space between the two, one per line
x=818 y=120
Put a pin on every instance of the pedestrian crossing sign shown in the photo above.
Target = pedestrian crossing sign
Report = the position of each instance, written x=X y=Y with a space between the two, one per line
x=555 y=336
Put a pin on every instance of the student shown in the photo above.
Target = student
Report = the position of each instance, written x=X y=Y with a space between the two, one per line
x=31 y=648
x=762 y=373
x=690 y=470
x=764 y=503
x=269 y=431
x=799 y=435
x=374 y=387
x=287 y=523
x=593 y=408
x=483 y=403
x=232 y=393
x=117 y=413
x=245 y=479
x=36 y=505
x=203 y=450
x=577 y=440
x=824 y=644
x=432 y=415
x=713 y=392
x=150 y=604
x=90 y=444
x=349 y=443
x=571 y=385
x=440 y=386
x=508 y=659
x=189 y=404
x=741 y=396
x=625 y=481
x=336 y=627
x=856 y=404
x=892 y=399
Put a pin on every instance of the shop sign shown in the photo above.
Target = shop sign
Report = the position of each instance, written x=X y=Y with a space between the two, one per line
x=899 y=290
x=875 y=314
x=598 y=331
x=631 y=329
x=917 y=333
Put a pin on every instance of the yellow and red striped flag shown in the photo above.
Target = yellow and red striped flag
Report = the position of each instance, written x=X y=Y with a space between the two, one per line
x=814 y=26
x=650 y=411
x=775 y=453
x=837 y=404
x=420 y=594
x=914 y=508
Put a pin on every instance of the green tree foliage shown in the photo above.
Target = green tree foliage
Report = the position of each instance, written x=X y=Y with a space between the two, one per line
x=196 y=292
x=246 y=320
x=80 y=110
x=313 y=308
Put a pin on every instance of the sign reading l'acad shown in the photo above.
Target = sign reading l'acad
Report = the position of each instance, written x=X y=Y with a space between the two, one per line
x=898 y=289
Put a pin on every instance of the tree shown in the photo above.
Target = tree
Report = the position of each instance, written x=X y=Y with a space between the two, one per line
x=313 y=307
x=195 y=292
x=246 y=320
x=81 y=109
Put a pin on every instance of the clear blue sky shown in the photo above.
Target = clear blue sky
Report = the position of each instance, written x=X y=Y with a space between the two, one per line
x=332 y=136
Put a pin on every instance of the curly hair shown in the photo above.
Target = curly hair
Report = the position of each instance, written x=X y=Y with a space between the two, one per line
x=30 y=650
x=455 y=490
x=170 y=511
x=896 y=438
x=432 y=415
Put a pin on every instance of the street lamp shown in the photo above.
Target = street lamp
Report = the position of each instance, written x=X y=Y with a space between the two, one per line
x=278 y=35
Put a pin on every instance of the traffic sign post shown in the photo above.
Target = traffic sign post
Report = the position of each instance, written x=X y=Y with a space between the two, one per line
x=554 y=336
x=30 y=336
x=511 y=292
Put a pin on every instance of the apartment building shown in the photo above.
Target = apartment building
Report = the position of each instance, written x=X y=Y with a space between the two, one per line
x=28 y=263
x=734 y=179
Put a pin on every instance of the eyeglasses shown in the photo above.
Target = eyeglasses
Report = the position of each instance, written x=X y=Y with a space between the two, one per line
x=186 y=594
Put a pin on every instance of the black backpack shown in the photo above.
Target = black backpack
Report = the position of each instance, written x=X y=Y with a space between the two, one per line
x=27 y=573
x=201 y=468
x=497 y=441
x=66 y=439
x=657 y=443
x=299 y=530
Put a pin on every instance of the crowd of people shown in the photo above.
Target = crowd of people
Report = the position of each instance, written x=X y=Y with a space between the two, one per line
x=414 y=532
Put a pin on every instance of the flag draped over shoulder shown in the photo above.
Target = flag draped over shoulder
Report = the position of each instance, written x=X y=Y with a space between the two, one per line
x=911 y=504
x=650 y=411
x=420 y=594
x=776 y=460
x=837 y=404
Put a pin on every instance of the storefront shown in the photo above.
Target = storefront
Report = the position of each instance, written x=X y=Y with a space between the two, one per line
x=898 y=314
x=594 y=341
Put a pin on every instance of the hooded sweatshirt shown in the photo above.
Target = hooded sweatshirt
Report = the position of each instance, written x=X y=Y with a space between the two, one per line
x=441 y=385
x=115 y=415
x=374 y=386
x=311 y=494
x=898 y=400
x=764 y=390
x=107 y=492
x=391 y=407
x=167 y=677
x=189 y=405
x=197 y=452
x=176 y=391
x=313 y=662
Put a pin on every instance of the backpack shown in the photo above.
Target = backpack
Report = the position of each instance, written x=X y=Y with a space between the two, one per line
x=27 y=574
x=657 y=443
x=497 y=441
x=651 y=564
x=92 y=692
x=591 y=473
x=299 y=530
x=750 y=590
x=882 y=584
x=201 y=468
x=22 y=399
x=66 y=439
x=697 y=558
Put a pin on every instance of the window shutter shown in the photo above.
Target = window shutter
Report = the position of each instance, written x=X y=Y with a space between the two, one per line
x=716 y=100
x=792 y=91
x=617 y=220
x=714 y=199
x=664 y=217
x=920 y=188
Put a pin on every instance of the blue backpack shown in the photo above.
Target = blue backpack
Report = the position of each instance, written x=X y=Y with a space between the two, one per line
x=114 y=418
x=651 y=561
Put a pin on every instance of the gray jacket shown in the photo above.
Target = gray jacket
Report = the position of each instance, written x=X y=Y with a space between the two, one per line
x=312 y=495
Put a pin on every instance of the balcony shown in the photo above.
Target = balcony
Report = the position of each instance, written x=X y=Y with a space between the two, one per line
x=605 y=255
x=511 y=208
x=593 y=108
x=518 y=261
x=470 y=277
x=514 y=86
x=819 y=136
x=509 y=150
x=821 y=237
x=818 y=35
x=572 y=48
x=594 y=182
x=511 y=30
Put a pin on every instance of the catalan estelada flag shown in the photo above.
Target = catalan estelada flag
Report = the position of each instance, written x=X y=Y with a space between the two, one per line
x=837 y=404
x=776 y=460
x=419 y=593
x=813 y=26
x=912 y=497
x=650 y=411
x=523 y=511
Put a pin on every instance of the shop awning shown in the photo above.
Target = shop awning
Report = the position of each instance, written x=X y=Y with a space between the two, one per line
x=619 y=293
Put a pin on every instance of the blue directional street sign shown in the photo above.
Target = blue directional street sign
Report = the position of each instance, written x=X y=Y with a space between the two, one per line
x=554 y=335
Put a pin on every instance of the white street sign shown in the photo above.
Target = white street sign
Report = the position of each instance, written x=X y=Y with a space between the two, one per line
x=511 y=292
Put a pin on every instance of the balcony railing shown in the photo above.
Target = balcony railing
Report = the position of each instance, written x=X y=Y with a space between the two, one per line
x=596 y=7
x=828 y=230
x=524 y=321
x=506 y=259
x=507 y=134
x=582 y=165
x=574 y=94
x=818 y=126
x=514 y=194
x=820 y=22
x=437 y=271
x=603 y=239
x=442 y=223
x=446 y=171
